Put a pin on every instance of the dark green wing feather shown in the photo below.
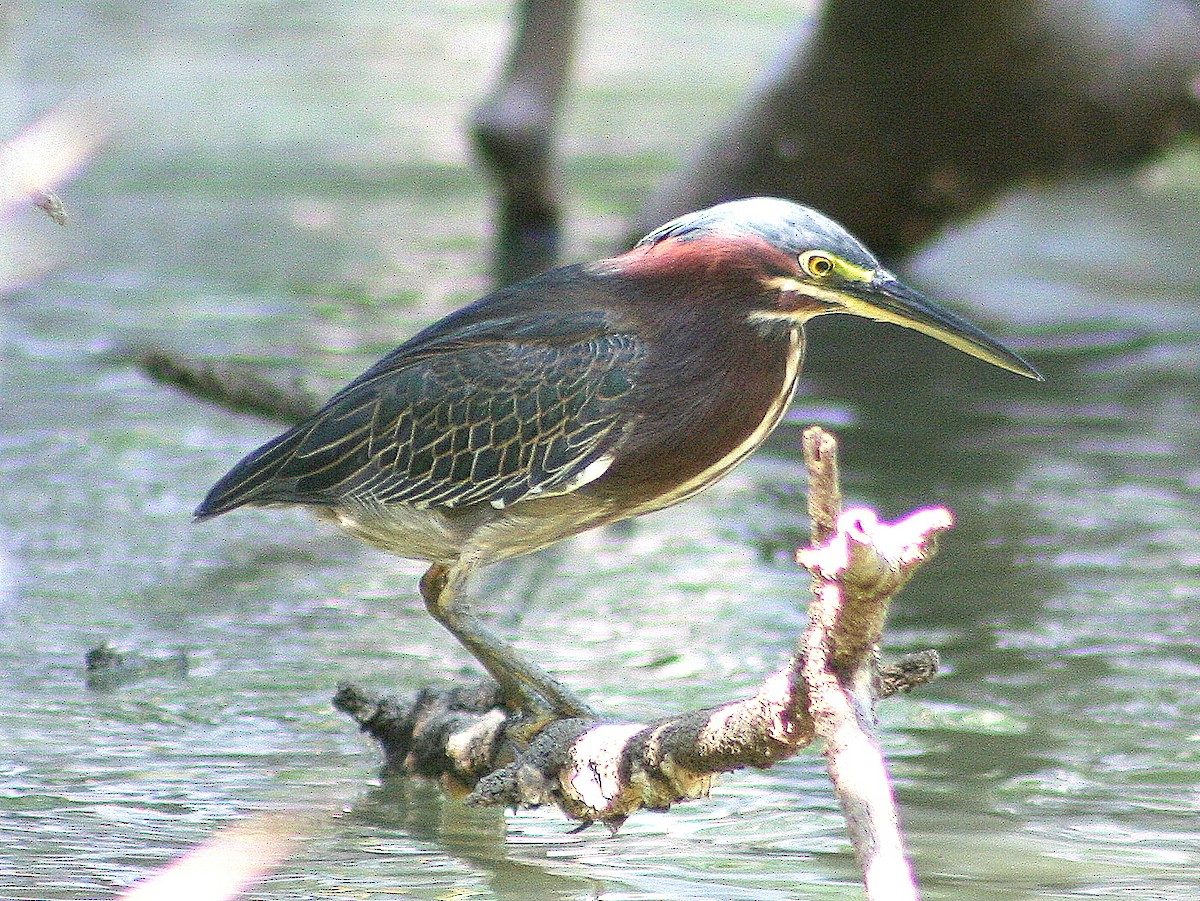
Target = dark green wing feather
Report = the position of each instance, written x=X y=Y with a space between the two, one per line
x=474 y=410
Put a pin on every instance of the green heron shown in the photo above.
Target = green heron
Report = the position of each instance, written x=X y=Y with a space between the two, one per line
x=585 y=395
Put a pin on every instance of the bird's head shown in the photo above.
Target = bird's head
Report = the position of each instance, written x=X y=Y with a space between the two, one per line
x=807 y=265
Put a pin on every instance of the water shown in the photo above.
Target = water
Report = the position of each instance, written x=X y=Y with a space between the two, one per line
x=260 y=198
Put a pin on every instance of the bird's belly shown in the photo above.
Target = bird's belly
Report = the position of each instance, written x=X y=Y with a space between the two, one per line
x=400 y=529
x=480 y=533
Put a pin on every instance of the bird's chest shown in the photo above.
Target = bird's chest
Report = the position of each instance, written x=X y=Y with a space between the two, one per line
x=703 y=417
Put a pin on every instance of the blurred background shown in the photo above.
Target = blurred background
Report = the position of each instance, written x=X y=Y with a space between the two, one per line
x=291 y=185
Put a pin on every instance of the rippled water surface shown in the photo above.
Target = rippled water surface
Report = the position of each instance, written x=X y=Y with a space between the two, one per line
x=288 y=183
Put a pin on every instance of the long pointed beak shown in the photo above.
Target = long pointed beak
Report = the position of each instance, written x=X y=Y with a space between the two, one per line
x=887 y=299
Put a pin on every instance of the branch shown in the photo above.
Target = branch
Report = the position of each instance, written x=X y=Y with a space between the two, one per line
x=241 y=387
x=604 y=771
x=595 y=771
x=855 y=574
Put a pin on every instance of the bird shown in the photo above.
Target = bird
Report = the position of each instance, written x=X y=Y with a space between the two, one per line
x=585 y=395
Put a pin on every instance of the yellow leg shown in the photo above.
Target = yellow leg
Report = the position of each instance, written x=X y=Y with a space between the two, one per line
x=525 y=686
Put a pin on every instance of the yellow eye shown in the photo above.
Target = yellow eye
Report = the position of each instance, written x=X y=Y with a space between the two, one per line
x=816 y=264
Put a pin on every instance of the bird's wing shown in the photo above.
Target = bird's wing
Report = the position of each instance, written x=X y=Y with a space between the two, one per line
x=487 y=412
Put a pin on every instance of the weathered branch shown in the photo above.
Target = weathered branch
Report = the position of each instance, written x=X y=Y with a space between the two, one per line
x=604 y=771
x=856 y=572
x=596 y=771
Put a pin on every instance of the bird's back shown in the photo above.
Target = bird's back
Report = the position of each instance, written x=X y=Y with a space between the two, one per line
x=500 y=401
